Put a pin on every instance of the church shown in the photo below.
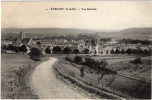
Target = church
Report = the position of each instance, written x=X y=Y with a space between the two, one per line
x=22 y=40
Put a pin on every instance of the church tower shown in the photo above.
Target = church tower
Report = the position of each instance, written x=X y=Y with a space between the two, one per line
x=21 y=35
x=90 y=46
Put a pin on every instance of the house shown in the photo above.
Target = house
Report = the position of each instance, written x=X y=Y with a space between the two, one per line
x=6 y=42
x=27 y=41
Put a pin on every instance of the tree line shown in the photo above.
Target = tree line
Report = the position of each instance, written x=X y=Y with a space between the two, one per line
x=131 y=51
x=98 y=66
x=132 y=41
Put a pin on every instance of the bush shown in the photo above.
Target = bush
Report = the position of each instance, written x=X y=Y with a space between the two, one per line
x=77 y=59
x=89 y=62
x=47 y=50
x=5 y=47
x=82 y=72
x=11 y=47
x=76 y=51
x=66 y=50
x=112 y=51
x=86 y=51
x=140 y=52
x=129 y=51
x=35 y=54
x=145 y=52
x=122 y=51
x=16 y=50
x=135 y=51
x=136 y=61
x=23 y=49
x=117 y=51
x=68 y=59
x=57 y=49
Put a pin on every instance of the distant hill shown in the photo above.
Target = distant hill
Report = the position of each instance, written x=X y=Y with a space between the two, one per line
x=138 y=33
x=135 y=33
x=44 y=32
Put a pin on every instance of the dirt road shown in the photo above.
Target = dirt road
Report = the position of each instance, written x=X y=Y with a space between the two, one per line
x=47 y=86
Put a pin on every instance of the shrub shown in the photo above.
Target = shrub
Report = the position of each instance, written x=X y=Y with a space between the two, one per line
x=66 y=50
x=23 y=49
x=47 y=50
x=117 y=51
x=145 y=52
x=122 y=51
x=78 y=59
x=112 y=51
x=129 y=51
x=86 y=51
x=76 y=51
x=140 y=52
x=16 y=50
x=82 y=72
x=5 y=47
x=35 y=54
x=57 y=49
x=135 y=51
x=68 y=59
x=89 y=62
x=136 y=61
x=11 y=47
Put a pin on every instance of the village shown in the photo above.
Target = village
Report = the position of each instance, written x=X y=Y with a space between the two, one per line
x=76 y=50
x=95 y=46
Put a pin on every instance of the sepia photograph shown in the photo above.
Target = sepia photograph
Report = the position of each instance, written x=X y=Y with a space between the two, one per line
x=76 y=49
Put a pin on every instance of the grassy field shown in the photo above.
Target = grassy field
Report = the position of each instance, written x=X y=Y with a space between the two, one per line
x=112 y=58
x=142 y=71
x=15 y=73
x=123 y=86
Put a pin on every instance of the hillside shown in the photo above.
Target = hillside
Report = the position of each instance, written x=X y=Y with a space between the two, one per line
x=135 y=33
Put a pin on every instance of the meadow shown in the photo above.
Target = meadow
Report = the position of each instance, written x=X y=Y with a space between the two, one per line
x=15 y=76
x=123 y=86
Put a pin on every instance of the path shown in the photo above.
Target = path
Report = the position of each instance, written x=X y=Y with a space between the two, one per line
x=47 y=86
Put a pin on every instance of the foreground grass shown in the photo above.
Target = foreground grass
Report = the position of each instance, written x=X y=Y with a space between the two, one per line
x=122 y=86
x=15 y=73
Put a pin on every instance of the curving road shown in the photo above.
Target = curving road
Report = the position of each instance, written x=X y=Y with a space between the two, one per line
x=47 y=86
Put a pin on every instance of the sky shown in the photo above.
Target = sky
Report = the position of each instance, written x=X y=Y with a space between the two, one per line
x=110 y=15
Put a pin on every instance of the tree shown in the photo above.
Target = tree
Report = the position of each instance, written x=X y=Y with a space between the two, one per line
x=112 y=51
x=136 y=61
x=66 y=50
x=82 y=72
x=47 y=50
x=16 y=50
x=23 y=49
x=122 y=51
x=77 y=59
x=117 y=51
x=149 y=52
x=76 y=51
x=68 y=59
x=145 y=52
x=110 y=80
x=11 y=47
x=140 y=51
x=95 y=52
x=86 y=51
x=5 y=47
x=102 y=70
x=134 y=51
x=129 y=51
x=35 y=53
x=38 y=43
x=57 y=49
